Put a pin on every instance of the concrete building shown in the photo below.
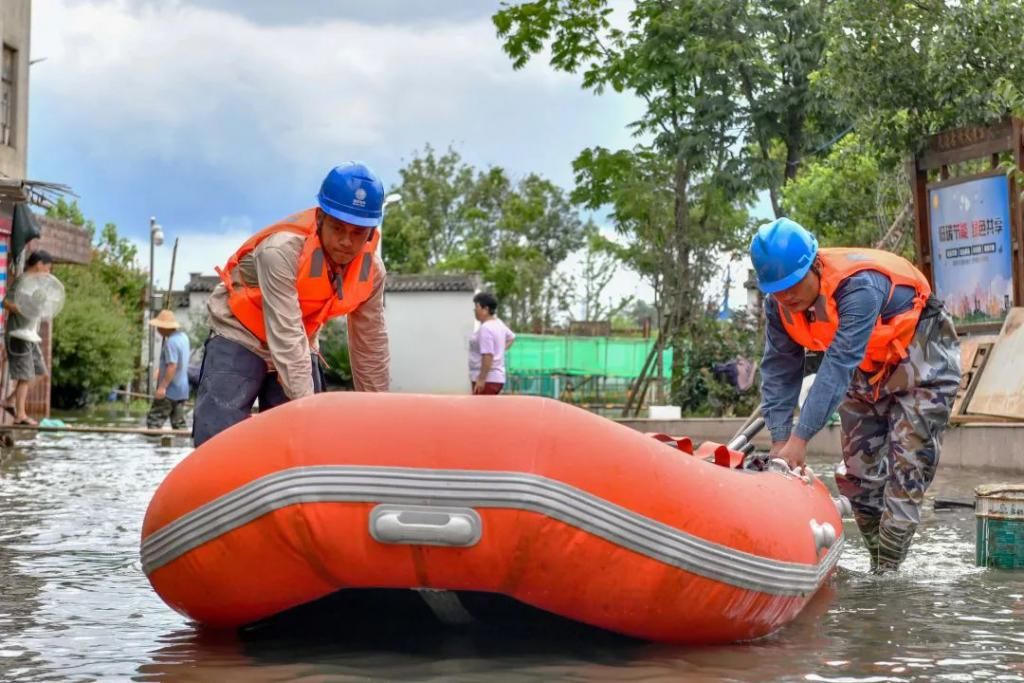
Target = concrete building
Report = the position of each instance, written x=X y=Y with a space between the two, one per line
x=15 y=30
x=430 y=320
x=189 y=303
x=29 y=232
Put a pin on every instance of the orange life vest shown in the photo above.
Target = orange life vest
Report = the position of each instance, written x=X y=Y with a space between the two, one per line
x=888 y=344
x=322 y=293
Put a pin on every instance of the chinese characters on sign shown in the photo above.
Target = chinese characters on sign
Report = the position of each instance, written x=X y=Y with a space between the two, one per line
x=972 y=259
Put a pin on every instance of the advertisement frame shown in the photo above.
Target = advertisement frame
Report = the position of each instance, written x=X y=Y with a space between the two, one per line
x=1011 y=237
x=951 y=147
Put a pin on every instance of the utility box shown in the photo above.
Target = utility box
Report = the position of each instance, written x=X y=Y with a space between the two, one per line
x=999 y=509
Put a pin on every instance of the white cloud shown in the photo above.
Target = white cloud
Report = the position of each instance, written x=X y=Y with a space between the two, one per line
x=199 y=251
x=218 y=99
x=183 y=83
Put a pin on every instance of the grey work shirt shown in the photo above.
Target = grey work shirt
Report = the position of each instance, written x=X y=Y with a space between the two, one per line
x=273 y=266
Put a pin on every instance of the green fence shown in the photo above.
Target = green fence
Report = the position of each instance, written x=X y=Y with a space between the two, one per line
x=537 y=354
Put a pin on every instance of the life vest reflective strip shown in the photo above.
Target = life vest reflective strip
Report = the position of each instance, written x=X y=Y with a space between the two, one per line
x=322 y=294
x=890 y=339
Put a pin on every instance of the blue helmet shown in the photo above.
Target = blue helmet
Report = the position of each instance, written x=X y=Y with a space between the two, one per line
x=353 y=193
x=782 y=252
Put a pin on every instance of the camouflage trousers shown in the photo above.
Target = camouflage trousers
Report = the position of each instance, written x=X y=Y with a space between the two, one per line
x=892 y=436
x=164 y=408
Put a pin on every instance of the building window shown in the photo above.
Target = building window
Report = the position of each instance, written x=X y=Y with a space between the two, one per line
x=8 y=104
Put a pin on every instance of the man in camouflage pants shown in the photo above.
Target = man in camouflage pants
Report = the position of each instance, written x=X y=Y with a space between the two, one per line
x=891 y=442
x=890 y=348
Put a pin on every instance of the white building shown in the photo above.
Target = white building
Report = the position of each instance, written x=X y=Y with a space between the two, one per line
x=430 y=320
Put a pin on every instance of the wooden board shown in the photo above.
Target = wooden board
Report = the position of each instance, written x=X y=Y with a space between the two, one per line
x=86 y=429
x=969 y=346
x=1000 y=388
x=974 y=352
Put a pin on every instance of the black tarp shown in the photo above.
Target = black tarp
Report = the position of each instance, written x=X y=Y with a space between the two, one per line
x=24 y=229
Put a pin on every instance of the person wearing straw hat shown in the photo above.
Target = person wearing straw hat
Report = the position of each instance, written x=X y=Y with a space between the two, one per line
x=172 y=380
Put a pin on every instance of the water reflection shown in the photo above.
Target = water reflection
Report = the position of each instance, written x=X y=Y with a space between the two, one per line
x=19 y=590
x=74 y=604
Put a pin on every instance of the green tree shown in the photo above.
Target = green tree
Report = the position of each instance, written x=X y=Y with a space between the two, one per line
x=902 y=70
x=199 y=329
x=679 y=57
x=431 y=221
x=851 y=197
x=780 y=49
x=635 y=316
x=95 y=341
x=97 y=336
x=454 y=217
x=596 y=273
x=638 y=185
x=700 y=393
x=114 y=259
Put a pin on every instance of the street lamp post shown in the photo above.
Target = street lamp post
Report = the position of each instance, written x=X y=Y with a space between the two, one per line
x=156 y=238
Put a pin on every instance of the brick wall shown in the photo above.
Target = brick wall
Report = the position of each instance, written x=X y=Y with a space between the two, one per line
x=67 y=243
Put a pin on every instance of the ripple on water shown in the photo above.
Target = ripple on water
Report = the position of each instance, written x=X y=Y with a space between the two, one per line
x=74 y=603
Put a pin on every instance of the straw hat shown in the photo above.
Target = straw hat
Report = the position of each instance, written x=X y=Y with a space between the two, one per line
x=165 y=320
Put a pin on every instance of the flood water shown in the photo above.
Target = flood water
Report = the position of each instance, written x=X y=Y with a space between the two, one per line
x=75 y=605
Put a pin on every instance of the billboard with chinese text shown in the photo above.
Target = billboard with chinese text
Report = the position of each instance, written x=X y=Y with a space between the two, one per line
x=972 y=265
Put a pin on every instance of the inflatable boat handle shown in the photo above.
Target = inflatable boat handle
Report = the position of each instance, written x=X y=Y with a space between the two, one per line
x=425 y=525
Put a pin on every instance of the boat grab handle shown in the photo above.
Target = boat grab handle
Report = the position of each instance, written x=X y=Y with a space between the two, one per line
x=426 y=525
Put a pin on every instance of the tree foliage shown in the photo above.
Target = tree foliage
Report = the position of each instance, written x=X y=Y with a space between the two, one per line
x=97 y=336
x=95 y=341
x=851 y=197
x=903 y=70
x=114 y=259
x=454 y=217
x=700 y=393
x=597 y=270
x=744 y=96
x=679 y=57
x=788 y=115
x=898 y=72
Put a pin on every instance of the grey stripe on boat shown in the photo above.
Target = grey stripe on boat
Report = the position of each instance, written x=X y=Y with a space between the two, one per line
x=483 y=489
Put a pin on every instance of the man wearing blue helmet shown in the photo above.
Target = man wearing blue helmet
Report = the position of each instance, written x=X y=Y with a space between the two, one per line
x=278 y=290
x=890 y=349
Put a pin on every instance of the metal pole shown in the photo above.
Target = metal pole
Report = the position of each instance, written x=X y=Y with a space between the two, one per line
x=149 y=307
x=660 y=391
x=170 y=282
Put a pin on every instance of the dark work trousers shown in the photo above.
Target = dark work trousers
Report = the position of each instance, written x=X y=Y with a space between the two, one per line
x=231 y=379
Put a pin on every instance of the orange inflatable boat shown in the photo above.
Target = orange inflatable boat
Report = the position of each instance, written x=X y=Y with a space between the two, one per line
x=534 y=499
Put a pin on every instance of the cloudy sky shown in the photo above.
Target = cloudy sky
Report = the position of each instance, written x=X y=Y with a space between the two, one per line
x=220 y=116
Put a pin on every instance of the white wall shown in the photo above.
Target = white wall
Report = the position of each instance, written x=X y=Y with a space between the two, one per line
x=196 y=312
x=429 y=335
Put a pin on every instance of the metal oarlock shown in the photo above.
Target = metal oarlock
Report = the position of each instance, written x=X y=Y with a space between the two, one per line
x=747 y=435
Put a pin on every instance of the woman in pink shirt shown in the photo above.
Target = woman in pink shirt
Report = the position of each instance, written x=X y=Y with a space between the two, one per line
x=487 y=347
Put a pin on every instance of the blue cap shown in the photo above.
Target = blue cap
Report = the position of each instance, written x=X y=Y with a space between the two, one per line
x=782 y=251
x=353 y=193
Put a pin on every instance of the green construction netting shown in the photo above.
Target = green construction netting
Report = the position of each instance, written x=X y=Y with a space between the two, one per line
x=538 y=354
